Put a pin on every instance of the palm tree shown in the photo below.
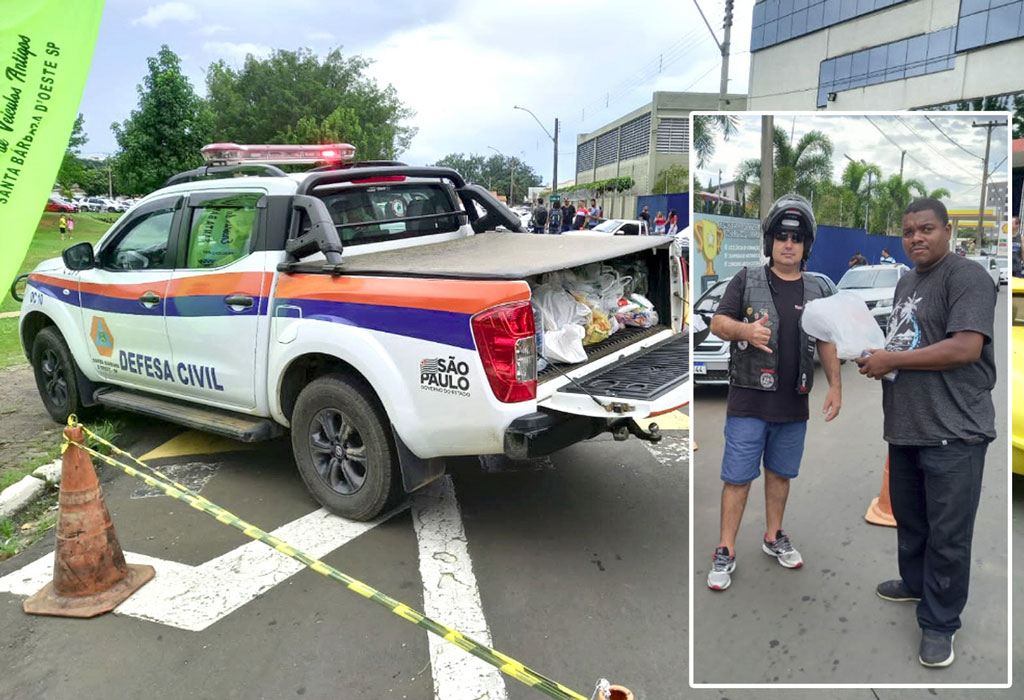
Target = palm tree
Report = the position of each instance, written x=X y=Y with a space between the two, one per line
x=800 y=168
x=705 y=129
x=895 y=193
x=857 y=179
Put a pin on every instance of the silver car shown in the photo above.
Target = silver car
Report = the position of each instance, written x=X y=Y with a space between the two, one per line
x=876 y=285
x=711 y=355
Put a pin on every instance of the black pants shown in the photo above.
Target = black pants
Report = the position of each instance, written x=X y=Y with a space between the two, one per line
x=935 y=492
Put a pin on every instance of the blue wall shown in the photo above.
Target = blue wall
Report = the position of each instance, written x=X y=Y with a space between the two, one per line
x=834 y=246
x=665 y=203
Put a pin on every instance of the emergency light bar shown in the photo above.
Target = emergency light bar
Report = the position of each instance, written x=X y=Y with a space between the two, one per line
x=276 y=154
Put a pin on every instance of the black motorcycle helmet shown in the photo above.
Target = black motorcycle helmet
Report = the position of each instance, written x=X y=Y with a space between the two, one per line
x=791 y=212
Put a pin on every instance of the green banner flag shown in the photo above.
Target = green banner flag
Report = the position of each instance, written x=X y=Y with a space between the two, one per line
x=45 y=50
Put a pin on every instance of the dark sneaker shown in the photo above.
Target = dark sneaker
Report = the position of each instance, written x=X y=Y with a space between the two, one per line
x=722 y=566
x=782 y=549
x=897 y=591
x=936 y=649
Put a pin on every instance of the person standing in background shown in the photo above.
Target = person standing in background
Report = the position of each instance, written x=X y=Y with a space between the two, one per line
x=659 y=224
x=71 y=227
x=62 y=225
x=555 y=219
x=672 y=224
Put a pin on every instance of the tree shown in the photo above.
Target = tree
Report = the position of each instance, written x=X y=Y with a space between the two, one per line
x=705 y=129
x=163 y=136
x=800 y=168
x=892 y=197
x=493 y=173
x=294 y=97
x=674 y=178
x=71 y=169
x=859 y=180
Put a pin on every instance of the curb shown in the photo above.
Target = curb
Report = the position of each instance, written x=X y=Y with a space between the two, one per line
x=18 y=496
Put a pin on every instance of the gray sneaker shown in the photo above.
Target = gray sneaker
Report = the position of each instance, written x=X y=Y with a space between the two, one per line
x=936 y=649
x=896 y=591
x=782 y=549
x=722 y=566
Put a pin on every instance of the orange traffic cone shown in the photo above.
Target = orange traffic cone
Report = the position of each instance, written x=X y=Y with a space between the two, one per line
x=880 y=510
x=90 y=576
x=617 y=692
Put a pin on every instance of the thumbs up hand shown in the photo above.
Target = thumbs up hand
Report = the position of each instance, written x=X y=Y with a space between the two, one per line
x=759 y=334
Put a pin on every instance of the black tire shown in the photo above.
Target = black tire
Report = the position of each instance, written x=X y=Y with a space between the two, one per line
x=56 y=375
x=343 y=448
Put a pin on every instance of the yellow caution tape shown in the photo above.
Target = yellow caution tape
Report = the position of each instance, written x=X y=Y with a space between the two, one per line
x=173 y=489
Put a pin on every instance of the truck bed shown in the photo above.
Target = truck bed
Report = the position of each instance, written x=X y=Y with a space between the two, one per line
x=495 y=255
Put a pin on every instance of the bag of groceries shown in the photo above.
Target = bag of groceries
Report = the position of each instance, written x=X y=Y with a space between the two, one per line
x=843 y=319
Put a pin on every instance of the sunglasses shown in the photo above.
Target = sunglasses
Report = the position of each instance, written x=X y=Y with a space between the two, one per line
x=794 y=236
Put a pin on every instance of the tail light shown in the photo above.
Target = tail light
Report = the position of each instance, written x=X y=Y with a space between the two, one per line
x=505 y=338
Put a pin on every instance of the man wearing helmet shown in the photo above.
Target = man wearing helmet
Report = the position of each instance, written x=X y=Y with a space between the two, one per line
x=771 y=368
x=939 y=420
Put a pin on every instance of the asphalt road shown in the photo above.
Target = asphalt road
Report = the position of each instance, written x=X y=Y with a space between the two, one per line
x=579 y=569
x=823 y=623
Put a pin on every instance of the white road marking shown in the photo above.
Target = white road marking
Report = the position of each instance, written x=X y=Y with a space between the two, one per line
x=451 y=596
x=195 y=597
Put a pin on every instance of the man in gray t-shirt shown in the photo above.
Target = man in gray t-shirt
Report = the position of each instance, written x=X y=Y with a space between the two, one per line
x=939 y=420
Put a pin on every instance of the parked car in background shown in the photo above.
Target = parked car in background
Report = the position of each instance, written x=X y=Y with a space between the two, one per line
x=617 y=227
x=992 y=267
x=711 y=356
x=55 y=203
x=876 y=285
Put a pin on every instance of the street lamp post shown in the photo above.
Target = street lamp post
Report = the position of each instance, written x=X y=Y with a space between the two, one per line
x=511 y=173
x=554 y=139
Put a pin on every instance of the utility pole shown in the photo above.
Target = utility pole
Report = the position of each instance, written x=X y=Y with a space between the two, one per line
x=723 y=88
x=902 y=156
x=984 y=181
x=554 y=176
x=767 y=163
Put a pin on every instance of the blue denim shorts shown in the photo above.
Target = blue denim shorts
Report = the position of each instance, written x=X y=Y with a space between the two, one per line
x=748 y=439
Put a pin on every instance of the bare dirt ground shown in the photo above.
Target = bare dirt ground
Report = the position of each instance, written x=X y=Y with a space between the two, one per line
x=26 y=429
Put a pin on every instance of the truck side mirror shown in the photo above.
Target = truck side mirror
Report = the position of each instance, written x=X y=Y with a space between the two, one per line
x=80 y=256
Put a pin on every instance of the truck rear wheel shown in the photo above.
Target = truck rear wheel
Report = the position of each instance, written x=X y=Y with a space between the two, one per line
x=56 y=376
x=344 y=449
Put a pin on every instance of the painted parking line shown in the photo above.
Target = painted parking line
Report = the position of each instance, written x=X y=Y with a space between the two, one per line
x=194 y=442
x=195 y=597
x=451 y=596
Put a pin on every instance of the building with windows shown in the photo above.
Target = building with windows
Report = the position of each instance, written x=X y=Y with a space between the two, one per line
x=642 y=144
x=884 y=54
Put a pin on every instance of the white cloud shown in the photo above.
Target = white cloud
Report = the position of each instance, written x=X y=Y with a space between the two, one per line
x=167 y=12
x=235 y=53
x=212 y=29
x=320 y=36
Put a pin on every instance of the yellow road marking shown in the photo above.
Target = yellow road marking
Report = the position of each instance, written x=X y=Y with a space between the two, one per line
x=677 y=420
x=193 y=442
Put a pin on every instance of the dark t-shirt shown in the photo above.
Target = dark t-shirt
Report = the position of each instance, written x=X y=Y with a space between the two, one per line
x=929 y=407
x=540 y=216
x=784 y=405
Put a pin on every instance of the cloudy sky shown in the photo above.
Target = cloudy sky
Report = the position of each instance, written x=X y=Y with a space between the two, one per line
x=460 y=64
x=931 y=157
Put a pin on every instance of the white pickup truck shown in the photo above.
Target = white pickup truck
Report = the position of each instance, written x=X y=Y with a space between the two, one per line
x=370 y=308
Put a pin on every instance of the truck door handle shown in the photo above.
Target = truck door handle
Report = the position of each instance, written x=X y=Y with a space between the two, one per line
x=149 y=300
x=242 y=301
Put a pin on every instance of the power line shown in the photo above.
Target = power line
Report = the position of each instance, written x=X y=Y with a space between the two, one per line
x=889 y=139
x=925 y=141
x=657 y=65
x=951 y=140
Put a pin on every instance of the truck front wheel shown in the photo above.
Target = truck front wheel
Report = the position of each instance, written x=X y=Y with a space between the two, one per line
x=344 y=449
x=56 y=376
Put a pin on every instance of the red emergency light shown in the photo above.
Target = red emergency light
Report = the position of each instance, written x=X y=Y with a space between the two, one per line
x=276 y=154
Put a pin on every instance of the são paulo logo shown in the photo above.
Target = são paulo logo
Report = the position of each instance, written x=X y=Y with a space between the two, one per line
x=446 y=376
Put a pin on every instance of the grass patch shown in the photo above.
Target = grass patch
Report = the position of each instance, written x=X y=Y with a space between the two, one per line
x=19 y=532
x=10 y=344
x=47 y=244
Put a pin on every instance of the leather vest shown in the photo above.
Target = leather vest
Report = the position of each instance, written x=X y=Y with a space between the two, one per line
x=752 y=368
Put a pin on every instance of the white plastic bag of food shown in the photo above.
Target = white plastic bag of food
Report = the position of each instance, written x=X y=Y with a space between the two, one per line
x=564 y=320
x=843 y=319
x=565 y=344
